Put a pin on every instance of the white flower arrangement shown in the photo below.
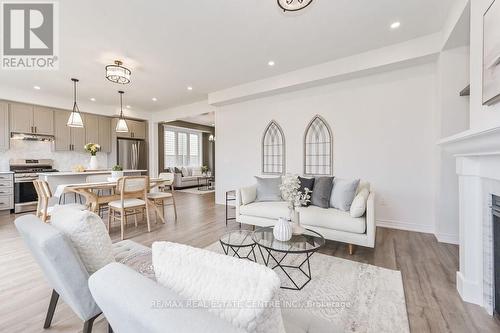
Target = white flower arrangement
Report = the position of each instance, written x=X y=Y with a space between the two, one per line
x=290 y=192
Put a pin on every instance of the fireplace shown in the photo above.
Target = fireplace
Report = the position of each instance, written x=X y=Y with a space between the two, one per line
x=495 y=208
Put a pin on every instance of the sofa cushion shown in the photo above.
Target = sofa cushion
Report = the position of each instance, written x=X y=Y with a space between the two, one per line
x=87 y=233
x=322 y=191
x=248 y=194
x=306 y=183
x=196 y=171
x=268 y=189
x=189 y=178
x=331 y=219
x=186 y=172
x=358 y=206
x=271 y=210
x=343 y=193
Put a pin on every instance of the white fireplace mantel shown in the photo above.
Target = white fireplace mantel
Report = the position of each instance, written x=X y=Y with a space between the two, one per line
x=478 y=169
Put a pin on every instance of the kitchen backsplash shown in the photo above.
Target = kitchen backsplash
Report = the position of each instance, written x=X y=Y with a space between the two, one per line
x=63 y=160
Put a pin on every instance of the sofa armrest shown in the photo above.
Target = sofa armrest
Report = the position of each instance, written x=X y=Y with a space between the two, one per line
x=147 y=306
x=370 y=219
x=177 y=180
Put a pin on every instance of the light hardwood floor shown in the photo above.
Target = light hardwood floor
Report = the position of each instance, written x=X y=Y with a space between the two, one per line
x=428 y=269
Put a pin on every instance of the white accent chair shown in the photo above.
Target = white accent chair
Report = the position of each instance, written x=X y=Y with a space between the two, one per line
x=63 y=268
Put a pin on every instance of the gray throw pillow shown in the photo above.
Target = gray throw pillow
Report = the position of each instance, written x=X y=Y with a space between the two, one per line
x=321 y=193
x=343 y=193
x=268 y=189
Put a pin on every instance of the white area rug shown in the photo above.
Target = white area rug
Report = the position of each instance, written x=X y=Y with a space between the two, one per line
x=195 y=190
x=353 y=296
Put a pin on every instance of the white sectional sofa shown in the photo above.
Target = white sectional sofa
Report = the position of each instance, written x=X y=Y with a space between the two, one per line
x=332 y=223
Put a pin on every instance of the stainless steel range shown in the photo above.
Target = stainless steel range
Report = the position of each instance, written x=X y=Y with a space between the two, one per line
x=25 y=172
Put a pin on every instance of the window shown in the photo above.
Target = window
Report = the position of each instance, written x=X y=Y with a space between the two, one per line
x=273 y=150
x=318 y=148
x=182 y=147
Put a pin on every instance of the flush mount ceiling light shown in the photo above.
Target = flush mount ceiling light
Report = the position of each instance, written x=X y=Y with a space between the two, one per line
x=117 y=73
x=293 y=5
x=121 y=126
x=75 y=118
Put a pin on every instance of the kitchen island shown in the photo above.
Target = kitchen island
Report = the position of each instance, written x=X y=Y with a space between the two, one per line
x=69 y=177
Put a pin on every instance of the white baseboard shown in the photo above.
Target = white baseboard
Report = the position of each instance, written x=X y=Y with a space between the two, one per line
x=469 y=291
x=429 y=229
x=447 y=238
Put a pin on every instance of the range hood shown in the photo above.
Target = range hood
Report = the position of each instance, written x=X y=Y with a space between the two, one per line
x=31 y=137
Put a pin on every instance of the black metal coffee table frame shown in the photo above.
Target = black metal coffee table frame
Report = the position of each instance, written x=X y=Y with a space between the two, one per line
x=236 y=248
x=307 y=273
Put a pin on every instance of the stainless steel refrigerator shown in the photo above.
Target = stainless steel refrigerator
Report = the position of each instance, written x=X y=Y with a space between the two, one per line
x=132 y=154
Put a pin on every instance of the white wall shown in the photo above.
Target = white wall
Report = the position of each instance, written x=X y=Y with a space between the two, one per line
x=383 y=132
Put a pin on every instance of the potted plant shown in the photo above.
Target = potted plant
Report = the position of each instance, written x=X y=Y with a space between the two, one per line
x=92 y=148
x=295 y=198
x=204 y=170
x=117 y=172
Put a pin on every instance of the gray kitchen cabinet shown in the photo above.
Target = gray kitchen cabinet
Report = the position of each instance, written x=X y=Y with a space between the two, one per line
x=4 y=126
x=91 y=128
x=137 y=129
x=62 y=132
x=43 y=120
x=67 y=138
x=104 y=125
x=26 y=118
x=21 y=118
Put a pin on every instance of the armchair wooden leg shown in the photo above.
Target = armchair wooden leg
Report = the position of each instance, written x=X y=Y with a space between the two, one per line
x=352 y=248
x=52 y=308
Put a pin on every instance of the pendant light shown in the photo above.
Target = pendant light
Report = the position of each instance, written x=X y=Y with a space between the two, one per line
x=75 y=118
x=121 y=126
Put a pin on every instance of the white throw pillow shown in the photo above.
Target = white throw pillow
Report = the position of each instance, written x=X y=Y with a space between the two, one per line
x=358 y=206
x=88 y=235
x=206 y=276
x=196 y=172
x=185 y=172
x=248 y=194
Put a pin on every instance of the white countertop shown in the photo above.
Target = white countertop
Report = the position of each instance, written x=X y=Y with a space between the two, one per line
x=85 y=173
x=4 y=172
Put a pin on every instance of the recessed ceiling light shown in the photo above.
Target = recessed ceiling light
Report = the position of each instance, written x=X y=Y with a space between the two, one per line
x=395 y=25
x=189 y=88
x=154 y=99
x=36 y=87
x=128 y=107
x=271 y=63
x=92 y=99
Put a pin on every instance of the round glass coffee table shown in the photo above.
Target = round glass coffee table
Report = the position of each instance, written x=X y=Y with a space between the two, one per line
x=239 y=243
x=277 y=254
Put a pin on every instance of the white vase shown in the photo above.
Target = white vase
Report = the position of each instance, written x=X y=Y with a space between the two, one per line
x=297 y=228
x=94 y=165
x=282 y=231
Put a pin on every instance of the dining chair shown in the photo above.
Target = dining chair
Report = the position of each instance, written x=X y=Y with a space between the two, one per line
x=133 y=191
x=166 y=195
x=100 y=179
x=43 y=210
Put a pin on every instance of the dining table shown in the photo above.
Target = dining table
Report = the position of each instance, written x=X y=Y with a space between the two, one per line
x=92 y=192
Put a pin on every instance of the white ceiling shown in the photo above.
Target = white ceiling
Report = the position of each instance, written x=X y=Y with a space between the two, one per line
x=207 y=119
x=213 y=44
